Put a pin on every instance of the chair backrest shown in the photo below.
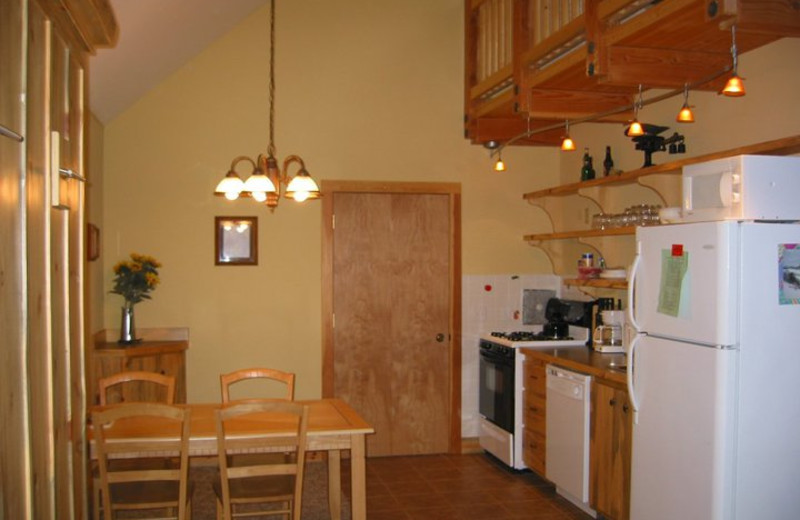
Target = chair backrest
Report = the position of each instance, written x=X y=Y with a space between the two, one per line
x=142 y=431
x=288 y=425
x=166 y=383
x=226 y=380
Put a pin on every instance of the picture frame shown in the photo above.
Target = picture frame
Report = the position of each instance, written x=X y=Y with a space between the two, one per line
x=92 y=242
x=236 y=240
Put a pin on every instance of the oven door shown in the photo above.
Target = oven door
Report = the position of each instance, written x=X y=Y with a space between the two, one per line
x=496 y=390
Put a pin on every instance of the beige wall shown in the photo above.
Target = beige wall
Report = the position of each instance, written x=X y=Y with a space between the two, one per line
x=365 y=90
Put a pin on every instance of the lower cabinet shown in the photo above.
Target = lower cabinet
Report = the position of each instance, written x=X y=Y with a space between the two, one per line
x=610 y=459
x=535 y=401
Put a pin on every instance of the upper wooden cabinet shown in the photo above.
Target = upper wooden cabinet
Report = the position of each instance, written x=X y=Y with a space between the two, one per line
x=536 y=63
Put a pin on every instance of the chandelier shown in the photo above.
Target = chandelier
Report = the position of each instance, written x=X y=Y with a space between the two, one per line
x=265 y=180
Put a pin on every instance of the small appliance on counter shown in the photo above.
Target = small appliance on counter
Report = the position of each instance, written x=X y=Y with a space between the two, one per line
x=608 y=335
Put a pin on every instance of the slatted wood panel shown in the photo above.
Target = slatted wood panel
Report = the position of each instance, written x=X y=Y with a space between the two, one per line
x=40 y=282
x=41 y=276
x=495 y=37
x=14 y=469
x=548 y=16
x=391 y=298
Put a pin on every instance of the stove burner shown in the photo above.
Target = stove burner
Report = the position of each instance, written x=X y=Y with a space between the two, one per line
x=528 y=336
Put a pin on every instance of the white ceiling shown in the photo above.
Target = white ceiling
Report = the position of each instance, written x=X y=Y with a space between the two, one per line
x=156 y=38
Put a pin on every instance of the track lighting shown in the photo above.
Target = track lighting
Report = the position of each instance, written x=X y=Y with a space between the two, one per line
x=735 y=86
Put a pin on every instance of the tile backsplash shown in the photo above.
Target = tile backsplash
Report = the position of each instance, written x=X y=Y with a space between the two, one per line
x=493 y=303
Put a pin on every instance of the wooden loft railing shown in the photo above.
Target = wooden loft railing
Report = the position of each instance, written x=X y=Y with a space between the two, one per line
x=571 y=59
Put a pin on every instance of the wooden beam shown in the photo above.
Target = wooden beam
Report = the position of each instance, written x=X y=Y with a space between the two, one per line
x=572 y=104
x=665 y=68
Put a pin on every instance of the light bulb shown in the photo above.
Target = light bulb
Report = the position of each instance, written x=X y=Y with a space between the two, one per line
x=300 y=196
x=232 y=195
x=499 y=166
x=259 y=196
x=568 y=145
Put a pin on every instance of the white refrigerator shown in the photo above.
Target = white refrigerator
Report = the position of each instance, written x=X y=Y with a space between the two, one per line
x=714 y=371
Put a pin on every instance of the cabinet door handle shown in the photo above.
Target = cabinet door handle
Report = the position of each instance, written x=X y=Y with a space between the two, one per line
x=612 y=402
x=625 y=408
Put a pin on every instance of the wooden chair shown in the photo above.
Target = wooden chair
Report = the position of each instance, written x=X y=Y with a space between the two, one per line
x=150 y=487
x=164 y=386
x=163 y=382
x=246 y=483
x=226 y=380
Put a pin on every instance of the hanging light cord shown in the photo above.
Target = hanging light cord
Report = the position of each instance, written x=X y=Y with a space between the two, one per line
x=639 y=103
x=271 y=148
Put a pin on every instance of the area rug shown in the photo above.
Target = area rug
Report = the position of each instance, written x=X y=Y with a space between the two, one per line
x=315 y=493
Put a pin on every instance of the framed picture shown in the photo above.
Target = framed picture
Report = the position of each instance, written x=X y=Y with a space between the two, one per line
x=92 y=242
x=236 y=240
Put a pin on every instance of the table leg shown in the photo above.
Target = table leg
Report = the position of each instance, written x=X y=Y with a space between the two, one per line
x=358 y=477
x=335 y=484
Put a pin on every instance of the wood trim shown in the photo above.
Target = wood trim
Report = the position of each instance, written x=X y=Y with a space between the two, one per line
x=330 y=187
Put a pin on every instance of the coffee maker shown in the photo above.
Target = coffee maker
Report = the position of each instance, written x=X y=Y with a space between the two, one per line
x=608 y=326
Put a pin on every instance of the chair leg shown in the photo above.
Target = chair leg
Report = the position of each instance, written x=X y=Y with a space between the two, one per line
x=97 y=498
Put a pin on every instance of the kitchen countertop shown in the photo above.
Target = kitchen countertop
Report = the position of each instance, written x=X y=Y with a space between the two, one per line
x=585 y=360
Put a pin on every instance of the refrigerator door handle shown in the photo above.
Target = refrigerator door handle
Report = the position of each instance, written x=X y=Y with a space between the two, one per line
x=631 y=367
x=631 y=284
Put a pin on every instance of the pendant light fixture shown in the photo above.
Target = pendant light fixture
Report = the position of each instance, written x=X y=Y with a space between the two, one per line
x=499 y=166
x=265 y=180
x=685 y=115
x=735 y=85
x=567 y=144
x=635 y=129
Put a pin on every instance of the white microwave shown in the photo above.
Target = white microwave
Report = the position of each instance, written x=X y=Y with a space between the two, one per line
x=742 y=187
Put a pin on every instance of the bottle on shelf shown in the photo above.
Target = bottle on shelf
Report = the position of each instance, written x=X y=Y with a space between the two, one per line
x=587 y=171
x=608 y=162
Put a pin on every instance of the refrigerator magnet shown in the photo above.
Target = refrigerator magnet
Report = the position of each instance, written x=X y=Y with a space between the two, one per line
x=789 y=274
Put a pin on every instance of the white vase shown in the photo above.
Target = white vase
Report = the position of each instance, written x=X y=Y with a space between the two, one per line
x=127 y=329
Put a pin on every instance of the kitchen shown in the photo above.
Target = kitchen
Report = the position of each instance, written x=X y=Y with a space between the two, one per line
x=428 y=77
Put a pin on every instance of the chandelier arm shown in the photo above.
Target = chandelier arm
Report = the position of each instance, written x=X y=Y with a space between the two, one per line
x=288 y=161
x=241 y=158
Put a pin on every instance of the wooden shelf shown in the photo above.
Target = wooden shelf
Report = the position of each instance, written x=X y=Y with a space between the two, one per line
x=586 y=233
x=599 y=283
x=784 y=146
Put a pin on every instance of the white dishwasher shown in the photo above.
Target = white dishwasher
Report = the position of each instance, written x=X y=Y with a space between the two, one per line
x=567 y=453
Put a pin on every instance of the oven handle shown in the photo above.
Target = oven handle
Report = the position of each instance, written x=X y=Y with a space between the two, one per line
x=496 y=358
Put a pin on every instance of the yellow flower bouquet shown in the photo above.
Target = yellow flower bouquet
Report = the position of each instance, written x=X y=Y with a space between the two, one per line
x=135 y=278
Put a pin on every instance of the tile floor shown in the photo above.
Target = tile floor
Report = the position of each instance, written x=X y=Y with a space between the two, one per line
x=458 y=487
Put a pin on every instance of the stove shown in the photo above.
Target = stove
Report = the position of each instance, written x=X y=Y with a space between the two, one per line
x=577 y=336
x=502 y=385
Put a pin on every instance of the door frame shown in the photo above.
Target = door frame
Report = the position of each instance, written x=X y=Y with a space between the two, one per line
x=453 y=189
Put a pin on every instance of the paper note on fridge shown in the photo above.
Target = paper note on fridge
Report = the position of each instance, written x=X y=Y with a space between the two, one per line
x=674 y=268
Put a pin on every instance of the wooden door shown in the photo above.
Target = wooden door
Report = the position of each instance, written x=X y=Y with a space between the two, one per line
x=391 y=338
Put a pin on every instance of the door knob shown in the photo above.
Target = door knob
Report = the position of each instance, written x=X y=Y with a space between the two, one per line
x=440 y=337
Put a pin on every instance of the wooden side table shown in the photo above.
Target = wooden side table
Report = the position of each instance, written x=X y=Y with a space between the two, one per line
x=161 y=350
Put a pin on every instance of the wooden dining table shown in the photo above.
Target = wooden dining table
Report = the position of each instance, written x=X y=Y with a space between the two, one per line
x=333 y=426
